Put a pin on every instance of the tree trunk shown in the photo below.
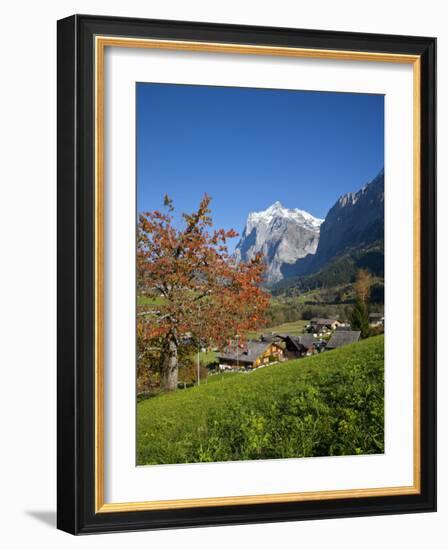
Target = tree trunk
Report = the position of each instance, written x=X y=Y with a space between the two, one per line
x=169 y=371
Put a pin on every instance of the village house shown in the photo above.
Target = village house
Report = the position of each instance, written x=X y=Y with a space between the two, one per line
x=341 y=338
x=320 y=325
x=300 y=345
x=249 y=355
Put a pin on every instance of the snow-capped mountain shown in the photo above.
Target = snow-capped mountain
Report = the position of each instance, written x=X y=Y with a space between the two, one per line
x=283 y=235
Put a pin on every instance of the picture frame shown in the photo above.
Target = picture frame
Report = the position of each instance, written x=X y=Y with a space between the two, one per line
x=82 y=42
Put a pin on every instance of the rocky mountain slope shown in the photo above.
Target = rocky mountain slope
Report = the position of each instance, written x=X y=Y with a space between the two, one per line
x=356 y=219
x=354 y=222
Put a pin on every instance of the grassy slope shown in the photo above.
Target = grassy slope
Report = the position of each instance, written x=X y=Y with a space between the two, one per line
x=295 y=327
x=329 y=404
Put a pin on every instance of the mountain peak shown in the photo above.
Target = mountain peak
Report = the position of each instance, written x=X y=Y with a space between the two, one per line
x=276 y=211
x=277 y=205
x=283 y=235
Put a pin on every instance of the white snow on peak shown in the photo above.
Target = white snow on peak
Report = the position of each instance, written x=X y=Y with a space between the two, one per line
x=276 y=210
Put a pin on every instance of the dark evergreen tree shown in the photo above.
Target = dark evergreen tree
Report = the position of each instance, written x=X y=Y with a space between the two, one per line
x=360 y=318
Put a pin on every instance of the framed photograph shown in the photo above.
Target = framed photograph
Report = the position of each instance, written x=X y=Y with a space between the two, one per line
x=246 y=274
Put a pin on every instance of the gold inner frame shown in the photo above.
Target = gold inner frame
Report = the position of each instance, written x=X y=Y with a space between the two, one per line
x=101 y=42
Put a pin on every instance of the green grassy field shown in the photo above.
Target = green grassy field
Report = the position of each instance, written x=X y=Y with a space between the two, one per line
x=328 y=404
x=295 y=327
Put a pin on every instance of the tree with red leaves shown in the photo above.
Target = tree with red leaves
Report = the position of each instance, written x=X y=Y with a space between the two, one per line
x=195 y=290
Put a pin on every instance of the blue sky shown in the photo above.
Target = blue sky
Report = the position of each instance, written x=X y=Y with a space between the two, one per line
x=248 y=148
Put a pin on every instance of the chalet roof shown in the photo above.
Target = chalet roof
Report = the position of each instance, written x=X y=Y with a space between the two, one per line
x=341 y=338
x=306 y=340
x=299 y=341
x=246 y=354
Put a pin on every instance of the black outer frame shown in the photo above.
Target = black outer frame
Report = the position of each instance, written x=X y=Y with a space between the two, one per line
x=75 y=403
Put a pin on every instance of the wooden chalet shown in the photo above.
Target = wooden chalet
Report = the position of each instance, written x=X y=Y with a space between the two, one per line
x=249 y=355
x=319 y=325
x=299 y=346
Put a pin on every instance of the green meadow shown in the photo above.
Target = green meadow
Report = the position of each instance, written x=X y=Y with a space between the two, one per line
x=294 y=328
x=325 y=405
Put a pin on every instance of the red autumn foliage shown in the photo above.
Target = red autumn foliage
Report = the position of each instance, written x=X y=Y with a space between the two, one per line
x=195 y=289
